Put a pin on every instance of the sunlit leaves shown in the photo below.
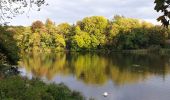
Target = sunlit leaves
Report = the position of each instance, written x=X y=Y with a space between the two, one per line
x=81 y=40
x=94 y=24
x=60 y=42
x=41 y=37
x=92 y=33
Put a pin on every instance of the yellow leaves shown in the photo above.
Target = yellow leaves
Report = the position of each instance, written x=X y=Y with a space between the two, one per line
x=79 y=41
x=90 y=24
x=126 y=24
x=147 y=25
x=114 y=30
x=60 y=42
x=91 y=33
x=82 y=39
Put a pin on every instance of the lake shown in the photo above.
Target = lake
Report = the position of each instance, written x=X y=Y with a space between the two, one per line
x=123 y=76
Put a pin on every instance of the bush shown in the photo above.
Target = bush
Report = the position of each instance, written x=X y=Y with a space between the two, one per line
x=17 y=88
x=8 y=45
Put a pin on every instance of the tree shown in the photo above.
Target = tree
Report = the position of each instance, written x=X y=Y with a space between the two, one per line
x=50 y=26
x=37 y=26
x=121 y=32
x=12 y=8
x=8 y=46
x=94 y=24
x=163 y=6
x=64 y=29
x=81 y=40
x=157 y=36
x=96 y=27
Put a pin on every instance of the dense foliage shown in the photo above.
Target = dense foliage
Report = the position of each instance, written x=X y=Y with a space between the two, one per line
x=17 y=88
x=8 y=46
x=91 y=33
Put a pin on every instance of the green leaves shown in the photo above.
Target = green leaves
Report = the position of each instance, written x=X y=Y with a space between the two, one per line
x=91 y=33
x=159 y=5
x=41 y=37
x=17 y=88
x=94 y=24
x=163 y=6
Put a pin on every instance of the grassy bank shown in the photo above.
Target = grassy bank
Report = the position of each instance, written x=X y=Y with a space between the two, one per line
x=14 y=87
x=17 y=88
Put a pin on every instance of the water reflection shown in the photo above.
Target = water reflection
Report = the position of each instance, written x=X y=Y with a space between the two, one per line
x=97 y=69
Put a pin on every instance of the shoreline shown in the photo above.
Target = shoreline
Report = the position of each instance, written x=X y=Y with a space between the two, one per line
x=133 y=51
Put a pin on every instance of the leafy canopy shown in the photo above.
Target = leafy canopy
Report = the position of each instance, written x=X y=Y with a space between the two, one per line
x=163 y=6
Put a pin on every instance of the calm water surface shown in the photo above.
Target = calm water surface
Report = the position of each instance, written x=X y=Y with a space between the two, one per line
x=124 y=76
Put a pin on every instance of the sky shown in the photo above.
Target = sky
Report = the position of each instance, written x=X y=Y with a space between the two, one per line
x=71 y=11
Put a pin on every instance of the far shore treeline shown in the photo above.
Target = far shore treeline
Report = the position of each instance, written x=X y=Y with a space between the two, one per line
x=91 y=33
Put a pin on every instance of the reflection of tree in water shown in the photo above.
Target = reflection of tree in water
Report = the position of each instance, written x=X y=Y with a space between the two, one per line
x=45 y=65
x=91 y=69
x=98 y=68
x=130 y=68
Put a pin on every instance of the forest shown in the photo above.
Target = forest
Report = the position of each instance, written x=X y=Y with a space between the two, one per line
x=89 y=34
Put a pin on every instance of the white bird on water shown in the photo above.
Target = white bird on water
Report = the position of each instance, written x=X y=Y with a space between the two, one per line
x=105 y=94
